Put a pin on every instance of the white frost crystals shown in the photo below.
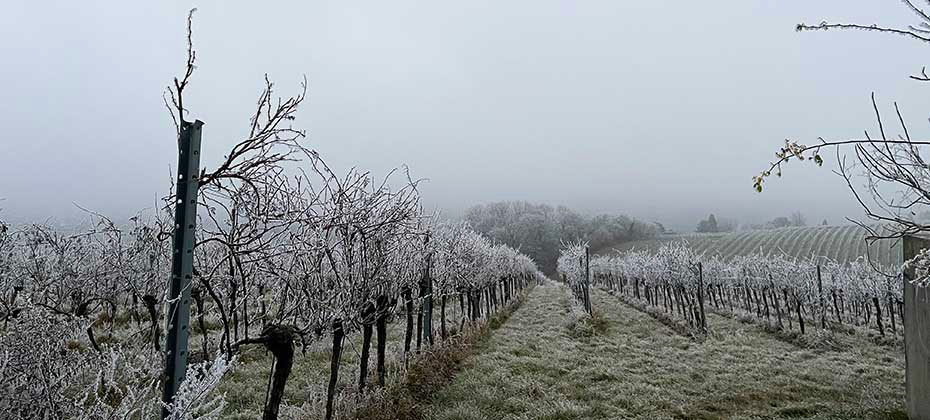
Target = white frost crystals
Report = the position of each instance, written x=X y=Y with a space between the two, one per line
x=195 y=399
x=921 y=266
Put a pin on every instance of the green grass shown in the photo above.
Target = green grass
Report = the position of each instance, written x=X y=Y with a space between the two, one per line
x=536 y=366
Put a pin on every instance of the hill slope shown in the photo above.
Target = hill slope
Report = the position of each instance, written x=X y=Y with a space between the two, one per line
x=840 y=243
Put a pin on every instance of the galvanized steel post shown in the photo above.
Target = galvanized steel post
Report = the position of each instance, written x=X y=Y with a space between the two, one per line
x=182 y=260
x=916 y=334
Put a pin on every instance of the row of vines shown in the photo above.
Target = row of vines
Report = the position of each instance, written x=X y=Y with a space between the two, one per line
x=782 y=292
x=82 y=312
x=287 y=252
x=574 y=266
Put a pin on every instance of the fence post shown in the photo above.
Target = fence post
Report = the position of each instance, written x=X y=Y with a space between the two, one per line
x=587 y=279
x=823 y=311
x=701 y=296
x=182 y=260
x=428 y=300
x=916 y=336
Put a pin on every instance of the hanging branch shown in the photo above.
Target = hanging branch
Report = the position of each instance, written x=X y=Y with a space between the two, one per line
x=884 y=161
x=270 y=142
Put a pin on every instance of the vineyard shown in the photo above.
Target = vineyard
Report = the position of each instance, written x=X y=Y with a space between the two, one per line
x=100 y=294
x=837 y=243
x=545 y=364
x=261 y=267
x=318 y=317
x=808 y=303
x=265 y=283
x=272 y=287
x=781 y=292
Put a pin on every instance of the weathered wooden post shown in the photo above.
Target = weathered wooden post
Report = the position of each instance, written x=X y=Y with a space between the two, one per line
x=916 y=336
x=338 y=336
x=427 y=290
x=823 y=311
x=576 y=286
x=587 y=279
x=182 y=260
x=700 y=296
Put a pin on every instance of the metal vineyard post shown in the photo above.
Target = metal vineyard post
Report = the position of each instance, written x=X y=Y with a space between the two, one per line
x=916 y=339
x=182 y=260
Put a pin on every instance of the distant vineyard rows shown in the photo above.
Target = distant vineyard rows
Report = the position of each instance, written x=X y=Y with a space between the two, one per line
x=836 y=243
x=677 y=282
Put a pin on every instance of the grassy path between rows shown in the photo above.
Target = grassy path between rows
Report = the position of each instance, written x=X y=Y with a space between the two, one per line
x=538 y=366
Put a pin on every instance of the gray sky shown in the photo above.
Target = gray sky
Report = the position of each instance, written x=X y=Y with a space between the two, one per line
x=659 y=109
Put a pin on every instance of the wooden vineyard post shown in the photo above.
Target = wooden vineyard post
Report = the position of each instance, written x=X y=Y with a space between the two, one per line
x=775 y=303
x=916 y=336
x=578 y=287
x=182 y=261
x=587 y=280
x=338 y=336
x=700 y=296
x=823 y=311
x=427 y=292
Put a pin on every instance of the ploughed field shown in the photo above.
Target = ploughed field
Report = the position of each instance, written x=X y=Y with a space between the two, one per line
x=549 y=361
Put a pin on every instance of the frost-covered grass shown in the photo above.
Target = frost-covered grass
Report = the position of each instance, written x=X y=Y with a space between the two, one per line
x=837 y=337
x=433 y=370
x=536 y=367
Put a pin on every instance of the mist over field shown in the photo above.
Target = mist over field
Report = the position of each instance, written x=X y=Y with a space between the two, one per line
x=659 y=110
x=481 y=210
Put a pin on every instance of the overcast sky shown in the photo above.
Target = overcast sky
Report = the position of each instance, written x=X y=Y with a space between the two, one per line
x=659 y=109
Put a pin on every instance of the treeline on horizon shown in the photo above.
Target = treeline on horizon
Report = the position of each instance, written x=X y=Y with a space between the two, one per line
x=538 y=230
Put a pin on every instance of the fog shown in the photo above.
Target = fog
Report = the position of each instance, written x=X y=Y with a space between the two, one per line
x=662 y=110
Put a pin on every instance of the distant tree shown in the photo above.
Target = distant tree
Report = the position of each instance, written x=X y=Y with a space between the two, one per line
x=570 y=224
x=538 y=230
x=660 y=228
x=780 y=222
x=709 y=225
x=727 y=225
x=824 y=222
x=798 y=219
